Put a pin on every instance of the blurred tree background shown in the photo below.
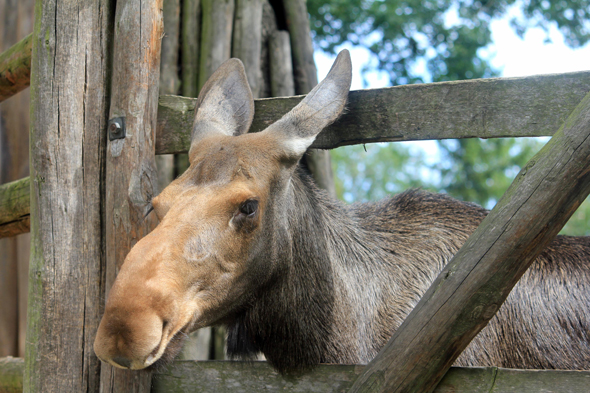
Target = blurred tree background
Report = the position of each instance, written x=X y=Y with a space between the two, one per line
x=415 y=41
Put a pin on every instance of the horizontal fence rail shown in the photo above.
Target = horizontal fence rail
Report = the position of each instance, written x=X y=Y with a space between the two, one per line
x=221 y=377
x=15 y=68
x=14 y=207
x=480 y=108
x=485 y=108
x=227 y=376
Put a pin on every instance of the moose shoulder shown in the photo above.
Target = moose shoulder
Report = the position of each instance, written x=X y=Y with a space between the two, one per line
x=246 y=240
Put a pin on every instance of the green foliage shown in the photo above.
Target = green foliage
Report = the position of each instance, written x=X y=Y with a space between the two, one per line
x=446 y=35
x=371 y=172
x=480 y=170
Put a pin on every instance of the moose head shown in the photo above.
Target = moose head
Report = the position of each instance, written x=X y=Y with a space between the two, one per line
x=223 y=228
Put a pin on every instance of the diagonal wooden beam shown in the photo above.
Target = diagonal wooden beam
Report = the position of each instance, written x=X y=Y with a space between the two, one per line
x=475 y=283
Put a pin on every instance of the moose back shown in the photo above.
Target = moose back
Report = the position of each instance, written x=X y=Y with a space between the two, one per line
x=246 y=240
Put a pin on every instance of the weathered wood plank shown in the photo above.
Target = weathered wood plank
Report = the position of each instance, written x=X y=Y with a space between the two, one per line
x=216 y=36
x=15 y=68
x=475 y=283
x=11 y=374
x=69 y=88
x=14 y=207
x=131 y=176
x=169 y=79
x=246 y=41
x=191 y=33
x=480 y=108
x=281 y=64
x=221 y=377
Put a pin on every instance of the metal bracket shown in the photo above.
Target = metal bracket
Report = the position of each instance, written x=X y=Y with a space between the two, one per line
x=116 y=127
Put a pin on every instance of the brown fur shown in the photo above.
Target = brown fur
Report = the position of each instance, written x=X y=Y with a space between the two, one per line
x=246 y=240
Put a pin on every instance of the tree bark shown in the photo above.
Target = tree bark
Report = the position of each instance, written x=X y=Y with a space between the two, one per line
x=69 y=106
x=131 y=175
x=475 y=283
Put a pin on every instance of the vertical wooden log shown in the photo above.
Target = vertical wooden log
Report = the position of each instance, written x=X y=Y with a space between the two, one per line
x=306 y=78
x=281 y=66
x=169 y=80
x=131 y=176
x=191 y=29
x=216 y=37
x=14 y=165
x=69 y=104
x=246 y=40
x=268 y=27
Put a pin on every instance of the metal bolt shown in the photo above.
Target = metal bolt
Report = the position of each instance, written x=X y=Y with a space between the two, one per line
x=116 y=128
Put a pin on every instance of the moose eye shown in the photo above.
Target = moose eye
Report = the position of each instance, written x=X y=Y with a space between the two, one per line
x=249 y=207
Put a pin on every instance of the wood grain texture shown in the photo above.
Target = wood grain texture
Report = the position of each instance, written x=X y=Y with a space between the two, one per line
x=222 y=377
x=15 y=68
x=131 y=176
x=475 y=283
x=282 y=83
x=246 y=42
x=191 y=34
x=69 y=107
x=14 y=207
x=484 y=108
x=217 y=17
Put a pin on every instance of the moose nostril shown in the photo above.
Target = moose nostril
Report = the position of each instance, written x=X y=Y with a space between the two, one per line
x=121 y=361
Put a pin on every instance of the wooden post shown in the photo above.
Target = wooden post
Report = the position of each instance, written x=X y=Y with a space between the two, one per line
x=69 y=90
x=191 y=29
x=281 y=65
x=247 y=40
x=131 y=176
x=216 y=35
x=169 y=80
x=473 y=286
x=318 y=161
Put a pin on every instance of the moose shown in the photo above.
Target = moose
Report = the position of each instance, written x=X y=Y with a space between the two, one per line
x=246 y=240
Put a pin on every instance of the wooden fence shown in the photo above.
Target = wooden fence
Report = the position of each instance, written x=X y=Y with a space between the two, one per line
x=85 y=201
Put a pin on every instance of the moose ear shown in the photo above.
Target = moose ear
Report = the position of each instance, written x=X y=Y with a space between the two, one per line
x=225 y=105
x=297 y=130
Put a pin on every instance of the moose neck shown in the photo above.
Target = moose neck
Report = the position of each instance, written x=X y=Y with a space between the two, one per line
x=297 y=320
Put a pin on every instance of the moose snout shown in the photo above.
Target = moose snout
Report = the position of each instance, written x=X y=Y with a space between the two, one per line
x=134 y=342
